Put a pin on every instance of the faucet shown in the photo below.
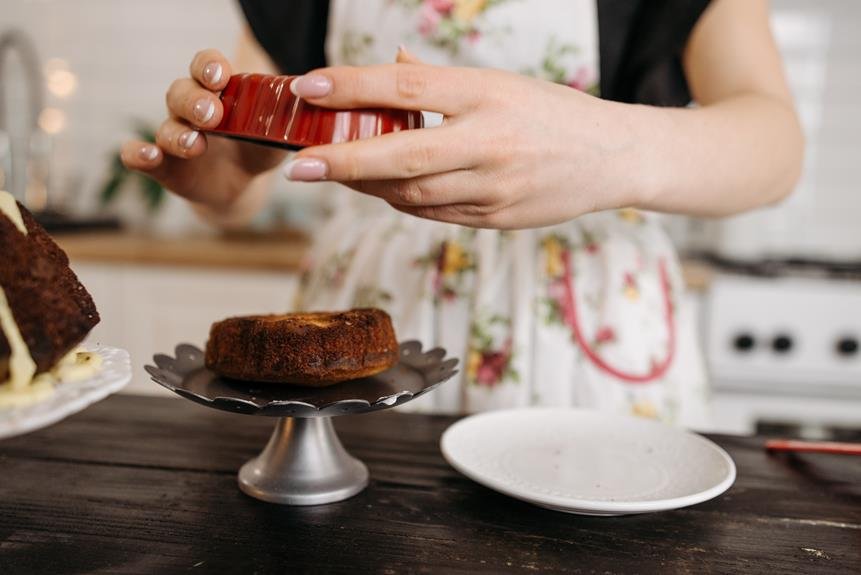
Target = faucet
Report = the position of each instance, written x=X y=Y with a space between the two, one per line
x=15 y=165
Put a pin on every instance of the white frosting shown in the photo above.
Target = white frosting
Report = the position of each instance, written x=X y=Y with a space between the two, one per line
x=21 y=364
x=75 y=366
x=22 y=368
x=9 y=208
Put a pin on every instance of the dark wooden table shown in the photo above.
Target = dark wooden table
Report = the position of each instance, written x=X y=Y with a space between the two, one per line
x=145 y=485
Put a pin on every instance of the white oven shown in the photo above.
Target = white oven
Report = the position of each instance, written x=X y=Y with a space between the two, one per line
x=785 y=354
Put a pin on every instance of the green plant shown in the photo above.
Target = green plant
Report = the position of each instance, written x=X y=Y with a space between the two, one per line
x=119 y=177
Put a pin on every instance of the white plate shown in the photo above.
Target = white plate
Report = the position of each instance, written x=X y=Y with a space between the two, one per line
x=587 y=462
x=69 y=398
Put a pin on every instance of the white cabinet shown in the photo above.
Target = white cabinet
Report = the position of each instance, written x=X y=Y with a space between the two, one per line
x=149 y=309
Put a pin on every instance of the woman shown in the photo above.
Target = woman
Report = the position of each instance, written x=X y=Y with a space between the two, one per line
x=581 y=305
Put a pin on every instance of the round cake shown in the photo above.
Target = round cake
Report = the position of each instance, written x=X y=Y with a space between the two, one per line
x=312 y=349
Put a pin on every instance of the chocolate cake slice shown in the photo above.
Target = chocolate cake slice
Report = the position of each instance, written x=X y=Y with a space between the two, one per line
x=50 y=309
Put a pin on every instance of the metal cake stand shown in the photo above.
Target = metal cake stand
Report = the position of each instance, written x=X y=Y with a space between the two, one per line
x=304 y=462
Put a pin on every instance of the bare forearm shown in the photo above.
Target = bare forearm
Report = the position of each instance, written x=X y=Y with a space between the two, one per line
x=725 y=158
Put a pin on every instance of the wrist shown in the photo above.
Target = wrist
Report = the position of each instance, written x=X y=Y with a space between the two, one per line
x=650 y=127
x=623 y=166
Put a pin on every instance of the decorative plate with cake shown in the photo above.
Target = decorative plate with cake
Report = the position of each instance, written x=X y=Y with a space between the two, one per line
x=304 y=368
x=45 y=314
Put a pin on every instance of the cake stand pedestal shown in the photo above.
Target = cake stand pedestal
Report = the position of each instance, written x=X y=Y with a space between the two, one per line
x=304 y=462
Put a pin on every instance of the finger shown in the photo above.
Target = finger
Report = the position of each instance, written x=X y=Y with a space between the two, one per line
x=457 y=187
x=200 y=107
x=211 y=69
x=460 y=214
x=148 y=159
x=178 y=139
x=402 y=155
x=141 y=156
x=441 y=89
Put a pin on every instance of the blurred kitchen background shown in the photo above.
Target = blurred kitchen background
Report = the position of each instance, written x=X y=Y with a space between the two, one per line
x=779 y=290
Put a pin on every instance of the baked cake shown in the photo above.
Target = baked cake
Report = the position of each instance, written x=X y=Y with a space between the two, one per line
x=45 y=312
x=311 y=349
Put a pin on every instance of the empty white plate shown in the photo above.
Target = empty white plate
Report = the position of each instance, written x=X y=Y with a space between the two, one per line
x=587 y=462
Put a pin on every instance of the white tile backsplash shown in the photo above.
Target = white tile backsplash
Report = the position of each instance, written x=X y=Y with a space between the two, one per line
x=125 y=53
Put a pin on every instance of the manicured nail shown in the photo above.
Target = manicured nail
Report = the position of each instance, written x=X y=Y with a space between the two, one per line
x=187 y=139
x=204 y=109
x=306 y=170
x=212 y=73
x=148 y=153
x=313 y=86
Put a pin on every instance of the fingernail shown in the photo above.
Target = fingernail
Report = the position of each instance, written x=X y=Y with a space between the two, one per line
x=212 y=73
x=148 y=153
x=187 y=139
x=313 y=86
x=204 y=109
x=306 y=170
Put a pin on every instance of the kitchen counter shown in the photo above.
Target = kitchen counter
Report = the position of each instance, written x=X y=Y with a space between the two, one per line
x=148 y=485
x=282 y=253
x=245 y=252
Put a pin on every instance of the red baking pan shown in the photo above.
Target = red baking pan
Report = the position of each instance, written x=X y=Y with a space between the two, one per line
x=261 y=108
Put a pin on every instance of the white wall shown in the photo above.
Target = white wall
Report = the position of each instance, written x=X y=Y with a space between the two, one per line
x=124 y=53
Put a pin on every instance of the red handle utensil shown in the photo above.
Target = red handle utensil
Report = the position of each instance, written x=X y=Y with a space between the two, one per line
x=799 y=446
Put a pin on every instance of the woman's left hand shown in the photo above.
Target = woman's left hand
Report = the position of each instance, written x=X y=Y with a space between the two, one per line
x=512 y=151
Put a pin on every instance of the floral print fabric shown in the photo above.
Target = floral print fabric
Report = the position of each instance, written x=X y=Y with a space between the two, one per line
x=588 y=313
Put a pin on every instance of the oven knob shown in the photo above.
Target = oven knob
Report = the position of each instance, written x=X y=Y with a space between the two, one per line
x=782 y=343
x=847 y=346
x=744 y=342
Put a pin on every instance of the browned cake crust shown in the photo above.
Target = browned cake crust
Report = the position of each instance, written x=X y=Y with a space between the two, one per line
x=313 y=349
x=52 y=309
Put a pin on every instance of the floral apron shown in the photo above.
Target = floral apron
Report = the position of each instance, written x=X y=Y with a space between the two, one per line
x=587 y=313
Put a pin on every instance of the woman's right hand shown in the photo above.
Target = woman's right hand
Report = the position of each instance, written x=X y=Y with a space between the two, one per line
x=211 y=172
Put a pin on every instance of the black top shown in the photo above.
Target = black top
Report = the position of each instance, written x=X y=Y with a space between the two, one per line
x=641 y=43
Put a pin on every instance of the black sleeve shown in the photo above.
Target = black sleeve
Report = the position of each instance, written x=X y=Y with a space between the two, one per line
x=293 y=32
x=641 y=45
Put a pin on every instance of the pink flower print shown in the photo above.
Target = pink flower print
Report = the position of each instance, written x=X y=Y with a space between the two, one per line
x=430 y=18
x=605 y=334
x=493 y=365
x=441 y=6
x=582 y=80
x=473 y=36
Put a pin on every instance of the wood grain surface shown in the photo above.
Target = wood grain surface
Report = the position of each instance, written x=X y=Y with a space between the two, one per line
x=148 y=485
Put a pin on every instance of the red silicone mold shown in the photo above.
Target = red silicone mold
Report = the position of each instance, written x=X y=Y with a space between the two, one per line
x=262 y=109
